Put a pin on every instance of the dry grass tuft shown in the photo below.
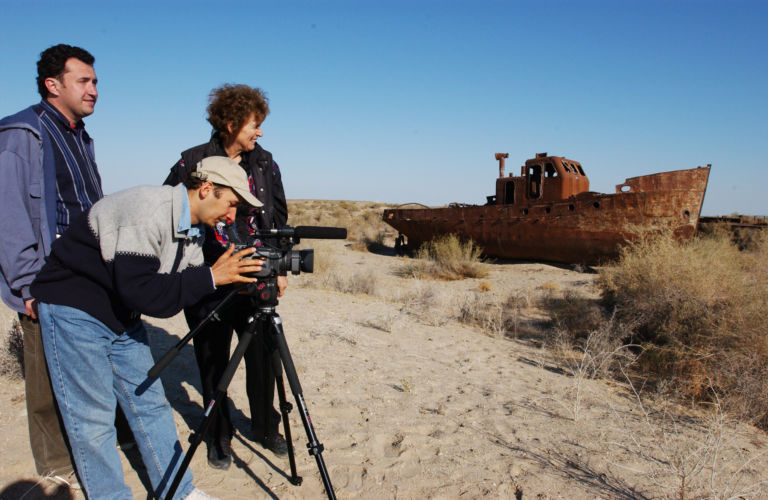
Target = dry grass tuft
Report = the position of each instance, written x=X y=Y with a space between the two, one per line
x=484 y=286
x=12 y=353
x=493 y=316
x=698 y=310
x=447 y=258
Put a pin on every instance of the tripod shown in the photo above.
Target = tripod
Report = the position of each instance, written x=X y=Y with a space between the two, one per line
x=261 y=318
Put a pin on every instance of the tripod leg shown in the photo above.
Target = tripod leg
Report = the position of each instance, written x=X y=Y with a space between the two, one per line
x=285 y=409
x=315 y=448
x=218 y=396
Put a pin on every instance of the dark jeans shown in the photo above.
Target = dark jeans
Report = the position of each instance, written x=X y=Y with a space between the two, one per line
x=212 y=350
x=50 y=448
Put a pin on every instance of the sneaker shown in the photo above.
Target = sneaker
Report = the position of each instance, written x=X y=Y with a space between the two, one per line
x=69 y=480
x=275 y=443
x=199 y=495
x=220 y=454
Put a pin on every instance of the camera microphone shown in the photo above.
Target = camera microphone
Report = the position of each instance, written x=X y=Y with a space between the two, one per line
x=322 y=233
x=299 y=232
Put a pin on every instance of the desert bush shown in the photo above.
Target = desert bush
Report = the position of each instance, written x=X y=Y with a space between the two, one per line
x=447 y=258
x=425 y=302
x=692 y=458
x=494 y=316
x=573 y=316
x=12 y=353
x=698 y=310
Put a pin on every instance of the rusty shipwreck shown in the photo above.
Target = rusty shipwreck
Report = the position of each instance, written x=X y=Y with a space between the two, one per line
x=548 y=213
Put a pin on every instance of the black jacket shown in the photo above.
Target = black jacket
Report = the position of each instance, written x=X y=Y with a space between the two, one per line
x=266 y=178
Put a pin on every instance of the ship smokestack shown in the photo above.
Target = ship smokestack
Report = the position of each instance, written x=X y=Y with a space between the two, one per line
x=500 y=158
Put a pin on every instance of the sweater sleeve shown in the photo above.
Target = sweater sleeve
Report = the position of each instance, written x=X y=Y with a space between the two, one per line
x=143 y=288
x=19 y=260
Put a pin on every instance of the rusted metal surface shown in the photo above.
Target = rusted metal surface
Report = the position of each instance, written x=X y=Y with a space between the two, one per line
x=548 y=213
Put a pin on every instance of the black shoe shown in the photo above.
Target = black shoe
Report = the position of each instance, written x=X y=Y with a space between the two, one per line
x=275 y=443
x=220 y=454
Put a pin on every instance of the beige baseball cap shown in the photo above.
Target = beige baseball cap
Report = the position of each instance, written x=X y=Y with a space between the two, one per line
x=226 y=172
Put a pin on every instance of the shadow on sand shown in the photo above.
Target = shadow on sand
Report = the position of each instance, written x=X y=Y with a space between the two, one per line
x=181 y=381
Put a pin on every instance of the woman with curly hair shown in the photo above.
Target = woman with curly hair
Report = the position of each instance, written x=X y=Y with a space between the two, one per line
x=236 y=113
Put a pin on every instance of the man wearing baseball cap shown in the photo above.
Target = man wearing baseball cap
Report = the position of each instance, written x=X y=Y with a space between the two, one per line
x=138 y=251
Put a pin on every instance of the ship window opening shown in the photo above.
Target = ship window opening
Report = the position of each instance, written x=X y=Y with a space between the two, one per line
x=550 y=170
x=571 y=207
x=686 y=214
x=525 y=211
x=566 y=167
x=580 y=169
x=509 y=192
x=548 y=209
x=534 y=181
x=596 y=204
x=625 y=189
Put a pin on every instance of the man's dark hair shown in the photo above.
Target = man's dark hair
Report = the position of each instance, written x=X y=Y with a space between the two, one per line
x=54 y=59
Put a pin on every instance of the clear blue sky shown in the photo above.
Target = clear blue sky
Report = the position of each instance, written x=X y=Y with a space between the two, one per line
x=401 y=101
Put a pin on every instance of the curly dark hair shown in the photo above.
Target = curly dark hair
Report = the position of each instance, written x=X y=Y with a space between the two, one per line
x=233 y=105
x=54 y=59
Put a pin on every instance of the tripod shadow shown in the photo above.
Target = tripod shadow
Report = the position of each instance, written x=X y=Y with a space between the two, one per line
x=183 y=371
x=177 y=376
x=244 y=466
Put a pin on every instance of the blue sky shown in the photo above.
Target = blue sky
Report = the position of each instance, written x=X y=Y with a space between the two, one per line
x=406 y=101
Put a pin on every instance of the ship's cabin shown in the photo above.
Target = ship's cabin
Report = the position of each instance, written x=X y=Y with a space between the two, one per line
x=542 y=179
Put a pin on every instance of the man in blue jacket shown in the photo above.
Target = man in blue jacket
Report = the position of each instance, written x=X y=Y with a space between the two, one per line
x=49 y=177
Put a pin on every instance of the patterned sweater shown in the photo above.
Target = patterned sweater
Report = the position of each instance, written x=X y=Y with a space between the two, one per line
x=126 y=257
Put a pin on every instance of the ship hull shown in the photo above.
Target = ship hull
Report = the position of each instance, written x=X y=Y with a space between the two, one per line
x=587 y=228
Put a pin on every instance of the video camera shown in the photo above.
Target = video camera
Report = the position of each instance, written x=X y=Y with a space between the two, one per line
x=275 y=246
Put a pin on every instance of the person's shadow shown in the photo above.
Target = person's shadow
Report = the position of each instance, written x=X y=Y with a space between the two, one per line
x=29 y=489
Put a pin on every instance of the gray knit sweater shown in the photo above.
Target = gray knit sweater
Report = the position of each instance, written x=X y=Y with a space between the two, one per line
x=126 y=257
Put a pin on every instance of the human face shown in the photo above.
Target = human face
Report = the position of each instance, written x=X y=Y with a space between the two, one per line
x=245 y=140
x=216 y=205
x=74 y=91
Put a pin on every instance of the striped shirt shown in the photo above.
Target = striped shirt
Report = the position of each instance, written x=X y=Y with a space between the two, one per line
x=78 y=184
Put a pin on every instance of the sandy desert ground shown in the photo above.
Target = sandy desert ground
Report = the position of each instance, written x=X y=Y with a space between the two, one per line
x=411 y=403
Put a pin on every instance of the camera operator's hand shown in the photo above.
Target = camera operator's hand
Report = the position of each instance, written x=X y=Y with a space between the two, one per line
x=231 y=267
x=282 y=284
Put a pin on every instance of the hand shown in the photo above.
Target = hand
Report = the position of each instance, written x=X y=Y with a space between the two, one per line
x=282 y=284
x=30 y=308
x=231 y=267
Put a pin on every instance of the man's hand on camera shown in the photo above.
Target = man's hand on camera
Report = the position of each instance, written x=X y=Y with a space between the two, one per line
x=282 y=284
x=231 y=267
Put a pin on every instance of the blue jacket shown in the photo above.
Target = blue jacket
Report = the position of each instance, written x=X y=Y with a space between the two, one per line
x=27 y=204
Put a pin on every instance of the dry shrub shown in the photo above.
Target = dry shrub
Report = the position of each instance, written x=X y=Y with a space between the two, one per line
x=447 y=258
x=12 y=353
x=689 y=457
x=426 y=302
x=495 y=317
x=698 y=309
x=363 y=282
x=574 y=317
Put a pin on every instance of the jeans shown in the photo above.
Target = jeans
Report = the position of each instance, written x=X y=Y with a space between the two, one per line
x=92 y=368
